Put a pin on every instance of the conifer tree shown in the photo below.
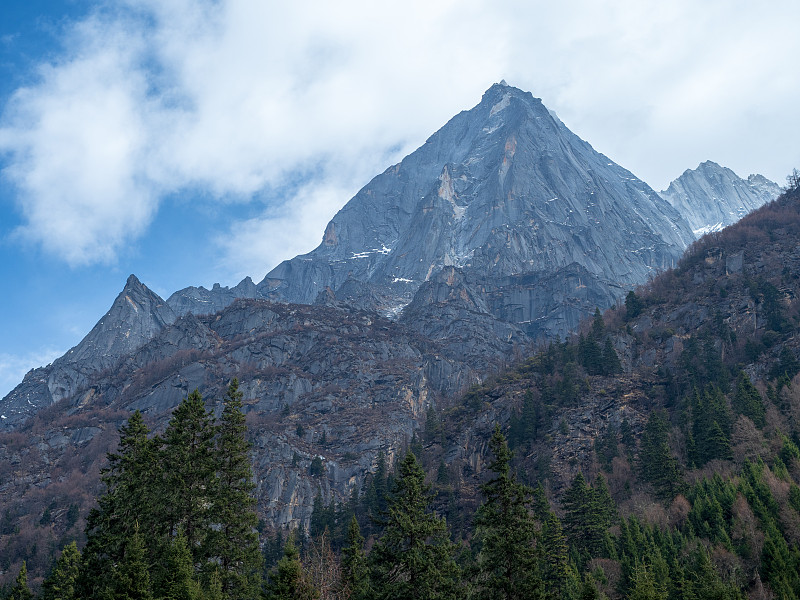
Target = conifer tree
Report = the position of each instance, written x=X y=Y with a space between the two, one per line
x=131 y=576
x=286 y=580
x=355 y=571
x=507 y=562
x=188 y=486
x=131 y=481
x=20 y=589
x=747 y=401
x=414 y=557
x=233 y=541
x=60 y=583
x=180 y=582
x=658 y=465
x=587 y=518
x=556 y=570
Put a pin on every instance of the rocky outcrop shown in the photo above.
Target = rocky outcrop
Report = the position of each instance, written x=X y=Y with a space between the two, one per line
x=712 y=197
x=200 y=301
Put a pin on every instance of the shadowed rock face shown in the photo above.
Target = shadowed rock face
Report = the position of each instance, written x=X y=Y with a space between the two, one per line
x=712 y=197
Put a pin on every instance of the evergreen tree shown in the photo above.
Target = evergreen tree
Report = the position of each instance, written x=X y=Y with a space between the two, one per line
x=355 y=571
x=634 y=305
x=611 y=363
x=60 y=583
x=189 y=480
x=286 y=580
x=180 y=582
x=587 y=518
x=131 y=481
x=234 y=540
x=507 y=563
x=414 y=557
x=556 y=568
x=131 y=577
x=658 y=465
x=20 y=589
x=747 y=401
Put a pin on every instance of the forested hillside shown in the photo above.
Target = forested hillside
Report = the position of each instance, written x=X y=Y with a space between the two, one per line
x=652 y=455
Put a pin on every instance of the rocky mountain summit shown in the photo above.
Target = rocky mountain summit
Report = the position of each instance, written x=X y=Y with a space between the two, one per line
x=503 y=191
x=711 y=197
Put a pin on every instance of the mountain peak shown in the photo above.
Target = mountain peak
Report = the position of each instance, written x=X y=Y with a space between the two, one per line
x=712 y=196
x=133 y=282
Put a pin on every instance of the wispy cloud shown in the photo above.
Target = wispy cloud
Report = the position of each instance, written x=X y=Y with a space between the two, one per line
x=232 y=97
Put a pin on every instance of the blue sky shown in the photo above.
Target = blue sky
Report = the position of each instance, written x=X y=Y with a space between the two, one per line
x=198 y=141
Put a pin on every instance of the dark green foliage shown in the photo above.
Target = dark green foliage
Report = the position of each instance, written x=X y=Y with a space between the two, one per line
x=507 y=563
x=60 y=583
x=611 y=362
x=191 y=491
x=286 y=580
x=180 y=582
x=711 y=426
x=130 y=576
x=433 y=425
x=186 y=496
x=747 y=401
x=234 y=543
x=414 y=556
x=316 y=467
x=20 y=589
x=355 y=571
x=556 y=570
x=128 y=503
x=658 y=465
x=633 y=305
x=588 y=513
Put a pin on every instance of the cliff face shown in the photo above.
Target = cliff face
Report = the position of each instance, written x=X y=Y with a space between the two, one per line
x=712 y=197
x=504 y=189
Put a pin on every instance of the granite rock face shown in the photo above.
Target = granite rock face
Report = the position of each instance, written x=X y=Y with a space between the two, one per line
x=712 y=197
x=503 y=189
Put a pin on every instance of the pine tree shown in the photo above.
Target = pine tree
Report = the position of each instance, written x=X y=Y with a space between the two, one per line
x=60 y=583
x=414 y=557
x=556 y=569
x=131 y=577
x=507 y=562
x=234 y=540
x=180 y=582
x=747 y=401
x=658 y=465
x=587 y=518
x=611 y=363
x=188 y=485
x=20 y=589
x=355 y=571
x=131 y=481
x=286 y=580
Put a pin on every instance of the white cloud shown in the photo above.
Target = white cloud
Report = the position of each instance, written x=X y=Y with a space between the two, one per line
x=231 y=97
